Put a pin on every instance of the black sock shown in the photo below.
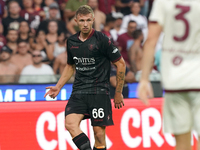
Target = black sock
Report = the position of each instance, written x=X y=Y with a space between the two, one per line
x=99 y=148
x=82 y=142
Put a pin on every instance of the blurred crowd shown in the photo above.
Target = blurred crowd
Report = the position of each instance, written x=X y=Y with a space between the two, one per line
x=33 y=34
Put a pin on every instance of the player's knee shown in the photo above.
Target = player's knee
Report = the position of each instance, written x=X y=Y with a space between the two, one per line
x=70 y=126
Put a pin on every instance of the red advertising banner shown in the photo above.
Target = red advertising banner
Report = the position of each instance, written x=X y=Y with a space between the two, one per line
x=40 y=125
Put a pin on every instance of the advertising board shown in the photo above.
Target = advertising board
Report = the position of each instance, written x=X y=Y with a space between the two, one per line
x=40 y=125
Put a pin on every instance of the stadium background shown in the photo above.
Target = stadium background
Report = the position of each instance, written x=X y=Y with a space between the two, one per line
x=28 y=121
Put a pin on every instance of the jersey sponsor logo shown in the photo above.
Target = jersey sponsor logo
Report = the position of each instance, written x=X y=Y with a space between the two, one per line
x=74 y=47
x=115 y=50
x=182 y=51
x=85 y=68
x=91 y=46
x=84 y=61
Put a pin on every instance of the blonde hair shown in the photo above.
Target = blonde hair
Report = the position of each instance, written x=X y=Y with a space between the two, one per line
x=84 y=10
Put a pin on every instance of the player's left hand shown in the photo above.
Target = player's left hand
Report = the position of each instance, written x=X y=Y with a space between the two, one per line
x=145 y=91
x=118 y=100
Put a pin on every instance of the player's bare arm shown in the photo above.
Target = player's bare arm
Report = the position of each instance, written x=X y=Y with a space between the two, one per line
x=118 y=99
x=66 y=75
x=144 y=89
x=132 y=58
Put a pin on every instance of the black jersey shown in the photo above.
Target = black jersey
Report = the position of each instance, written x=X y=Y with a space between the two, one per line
x=92 y=62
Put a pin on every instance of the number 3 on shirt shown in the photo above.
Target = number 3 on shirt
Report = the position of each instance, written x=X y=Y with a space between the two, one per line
x=180 y=16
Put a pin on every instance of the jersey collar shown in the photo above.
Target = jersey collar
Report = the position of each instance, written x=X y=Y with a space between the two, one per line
x=91 y=34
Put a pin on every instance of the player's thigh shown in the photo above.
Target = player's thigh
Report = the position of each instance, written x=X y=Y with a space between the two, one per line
x=76 y=104
x=183 y=141
x=100 y=110
x=73 y=120
x=75 y=110
x=195 y=106
x=177 y=113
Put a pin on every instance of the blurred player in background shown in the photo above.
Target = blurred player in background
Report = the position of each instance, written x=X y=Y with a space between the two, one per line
x=90 y=53
x=179 y=19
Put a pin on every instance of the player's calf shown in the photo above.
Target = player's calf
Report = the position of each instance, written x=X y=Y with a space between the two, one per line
x=99 y=135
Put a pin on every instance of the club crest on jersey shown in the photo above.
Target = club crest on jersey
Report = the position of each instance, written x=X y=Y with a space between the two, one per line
x=91 y=46
x=177 y=60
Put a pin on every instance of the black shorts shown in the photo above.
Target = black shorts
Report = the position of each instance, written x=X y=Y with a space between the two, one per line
x=97 y=107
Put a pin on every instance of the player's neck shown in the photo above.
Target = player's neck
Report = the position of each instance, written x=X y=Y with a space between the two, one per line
x=83 y=36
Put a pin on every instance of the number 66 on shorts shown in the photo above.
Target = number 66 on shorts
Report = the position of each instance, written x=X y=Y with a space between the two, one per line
x=97 y=113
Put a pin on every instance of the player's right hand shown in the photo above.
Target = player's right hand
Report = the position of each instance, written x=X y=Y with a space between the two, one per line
x=118 y=100
x=145 y=91
x=53 y=91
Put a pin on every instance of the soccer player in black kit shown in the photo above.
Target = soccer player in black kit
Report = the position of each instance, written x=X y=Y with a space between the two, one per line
x=90 y=53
